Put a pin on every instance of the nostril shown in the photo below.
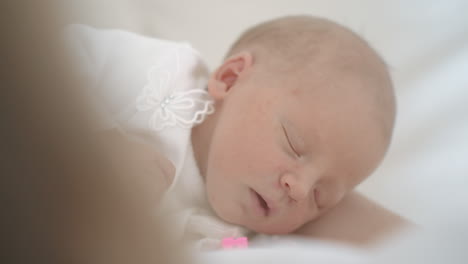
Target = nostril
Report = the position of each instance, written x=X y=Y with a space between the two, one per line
x=284 y=182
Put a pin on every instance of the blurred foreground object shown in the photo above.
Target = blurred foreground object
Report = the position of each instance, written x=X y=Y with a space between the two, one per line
x=63 y=199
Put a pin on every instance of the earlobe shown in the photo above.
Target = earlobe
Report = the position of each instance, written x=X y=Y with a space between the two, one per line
x=226 y=76
x=216 y=89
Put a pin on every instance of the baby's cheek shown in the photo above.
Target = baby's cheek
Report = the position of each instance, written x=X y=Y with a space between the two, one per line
x=265 y=162
x=331 y=191
x=331 y=201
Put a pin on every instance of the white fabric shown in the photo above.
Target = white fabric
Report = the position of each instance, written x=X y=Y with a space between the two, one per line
x=155 y=91
x=443 y=240
x=285 y=251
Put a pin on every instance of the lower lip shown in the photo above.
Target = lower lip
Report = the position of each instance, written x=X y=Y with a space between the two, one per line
x=256 y=205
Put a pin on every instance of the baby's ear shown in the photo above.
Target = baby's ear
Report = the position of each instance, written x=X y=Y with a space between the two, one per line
x=226 y=76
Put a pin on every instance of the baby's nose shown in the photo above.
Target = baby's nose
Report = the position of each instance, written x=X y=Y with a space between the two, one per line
x=295 y=188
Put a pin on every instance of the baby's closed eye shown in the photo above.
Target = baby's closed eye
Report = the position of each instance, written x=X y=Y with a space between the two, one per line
x=290 y=143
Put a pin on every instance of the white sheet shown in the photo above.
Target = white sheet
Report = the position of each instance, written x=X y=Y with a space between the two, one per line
x=443 y=240
x=287 y=250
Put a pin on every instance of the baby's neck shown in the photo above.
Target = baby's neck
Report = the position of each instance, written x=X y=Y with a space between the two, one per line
x=201 y=141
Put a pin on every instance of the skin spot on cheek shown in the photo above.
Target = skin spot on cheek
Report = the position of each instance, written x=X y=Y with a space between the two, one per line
x=297 y=92
x=249 y=165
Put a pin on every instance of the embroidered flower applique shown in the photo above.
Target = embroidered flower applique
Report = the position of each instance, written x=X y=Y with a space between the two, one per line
x=171 y=105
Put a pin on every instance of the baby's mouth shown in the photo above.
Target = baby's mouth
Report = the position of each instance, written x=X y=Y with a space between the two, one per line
x=263 y=203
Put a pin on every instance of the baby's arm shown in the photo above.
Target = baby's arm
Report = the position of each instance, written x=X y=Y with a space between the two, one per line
x=355 y=220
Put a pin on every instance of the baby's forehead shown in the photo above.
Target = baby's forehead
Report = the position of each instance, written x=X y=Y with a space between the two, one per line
x=330 y=94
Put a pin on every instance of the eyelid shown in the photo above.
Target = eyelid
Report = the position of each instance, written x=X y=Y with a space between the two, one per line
x=289 y=142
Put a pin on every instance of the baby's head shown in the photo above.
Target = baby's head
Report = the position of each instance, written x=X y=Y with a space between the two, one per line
x=304 y=112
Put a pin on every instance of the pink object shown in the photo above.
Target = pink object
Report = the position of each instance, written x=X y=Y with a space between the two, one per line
x=231 y=242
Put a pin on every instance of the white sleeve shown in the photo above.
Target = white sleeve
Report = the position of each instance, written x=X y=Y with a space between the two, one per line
x=115 y=63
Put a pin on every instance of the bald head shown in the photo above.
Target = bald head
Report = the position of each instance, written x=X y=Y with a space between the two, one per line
x=305 y=44
x=300 y=39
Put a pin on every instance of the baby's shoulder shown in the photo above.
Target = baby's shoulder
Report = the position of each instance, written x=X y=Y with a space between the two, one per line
x=159 y=81
x=118 y=47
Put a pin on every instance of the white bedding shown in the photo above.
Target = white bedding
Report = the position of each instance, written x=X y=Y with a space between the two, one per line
x=288 y=250
x=442 y=240
x=443 y=243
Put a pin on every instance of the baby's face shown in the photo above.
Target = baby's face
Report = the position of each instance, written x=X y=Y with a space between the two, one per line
x=282 y=153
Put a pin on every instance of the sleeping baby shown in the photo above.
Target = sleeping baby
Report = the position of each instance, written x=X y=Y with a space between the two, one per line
x=273 y=141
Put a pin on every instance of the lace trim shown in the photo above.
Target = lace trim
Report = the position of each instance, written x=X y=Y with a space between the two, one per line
x=169 y=107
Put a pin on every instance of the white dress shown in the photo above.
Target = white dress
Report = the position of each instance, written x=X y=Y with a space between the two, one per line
x=155 y=90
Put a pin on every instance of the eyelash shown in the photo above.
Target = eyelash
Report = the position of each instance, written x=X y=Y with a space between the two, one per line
x=289 y=142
